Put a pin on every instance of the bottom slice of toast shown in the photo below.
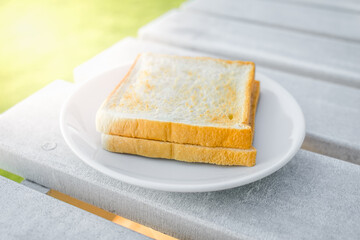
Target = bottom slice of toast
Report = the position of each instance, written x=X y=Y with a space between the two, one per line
x=181 y=152
x=187 y=152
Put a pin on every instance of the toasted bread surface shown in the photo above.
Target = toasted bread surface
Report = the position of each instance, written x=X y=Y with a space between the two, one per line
x=186 y=152
x=200 y=101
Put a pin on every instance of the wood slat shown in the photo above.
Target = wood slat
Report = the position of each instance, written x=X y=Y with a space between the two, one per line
x=28 y=214
x=308 y=55
x=335 y=5
x=331 y=111
x=122 y=52
x=299 y=18
x=311 y=190
x=151 y=233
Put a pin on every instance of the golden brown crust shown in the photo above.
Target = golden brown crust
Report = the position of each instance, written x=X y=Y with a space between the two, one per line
x=180 y=132
x=124 y=78
x=181 y=152
x=219 y=60
x=187 y=152
x=248 y=95
x=254 y=104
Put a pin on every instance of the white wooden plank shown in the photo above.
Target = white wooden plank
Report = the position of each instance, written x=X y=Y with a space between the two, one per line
x=312 y=190
x=304 y=19
x=123 y=52
x=326 y=59
x=332 y=114
x=331 y=111
x=28 y=214
x=35 y=186
x=343 y=5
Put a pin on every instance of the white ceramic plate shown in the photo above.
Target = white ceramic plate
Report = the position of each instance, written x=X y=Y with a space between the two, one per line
x=279 y=133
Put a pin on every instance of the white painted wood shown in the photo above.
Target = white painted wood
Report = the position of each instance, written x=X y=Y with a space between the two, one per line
x=336 y=5
x=28 y=214
x=311 y=190
x=35 y=186
x=121 y=53
x=332 y=114
x=326 y=59
x=331 y=111
x=301 y=18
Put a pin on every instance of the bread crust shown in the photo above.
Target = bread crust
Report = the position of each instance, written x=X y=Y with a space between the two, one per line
x=187 y=152
x=253 y=107
x=179 y=132
x=181 y=152
x=124 y=78
x=176 y=132
x=248 y=99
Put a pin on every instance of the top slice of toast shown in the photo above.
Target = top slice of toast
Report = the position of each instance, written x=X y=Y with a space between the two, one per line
x=194 y=100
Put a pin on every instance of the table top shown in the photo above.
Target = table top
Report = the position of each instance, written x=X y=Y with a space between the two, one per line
x=38 y=216
x=295 y=43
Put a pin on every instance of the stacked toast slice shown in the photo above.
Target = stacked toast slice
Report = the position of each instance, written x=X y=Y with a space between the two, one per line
x=192 y=109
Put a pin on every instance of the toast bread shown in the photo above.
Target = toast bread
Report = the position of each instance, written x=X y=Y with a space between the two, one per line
x=188 y=100
x=187 y=152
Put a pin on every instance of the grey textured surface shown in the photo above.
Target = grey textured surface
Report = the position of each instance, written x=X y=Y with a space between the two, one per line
x=313 y=196
x=335 y=5
x=284 y=15
x=28 y=214
x=332 y=111
x=310 y=55
x=123 y=52
x=35 y=186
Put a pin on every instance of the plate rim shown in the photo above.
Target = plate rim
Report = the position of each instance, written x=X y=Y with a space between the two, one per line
x=171 y=187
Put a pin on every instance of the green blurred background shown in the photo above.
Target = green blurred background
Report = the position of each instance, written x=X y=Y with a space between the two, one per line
x=45 y=40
